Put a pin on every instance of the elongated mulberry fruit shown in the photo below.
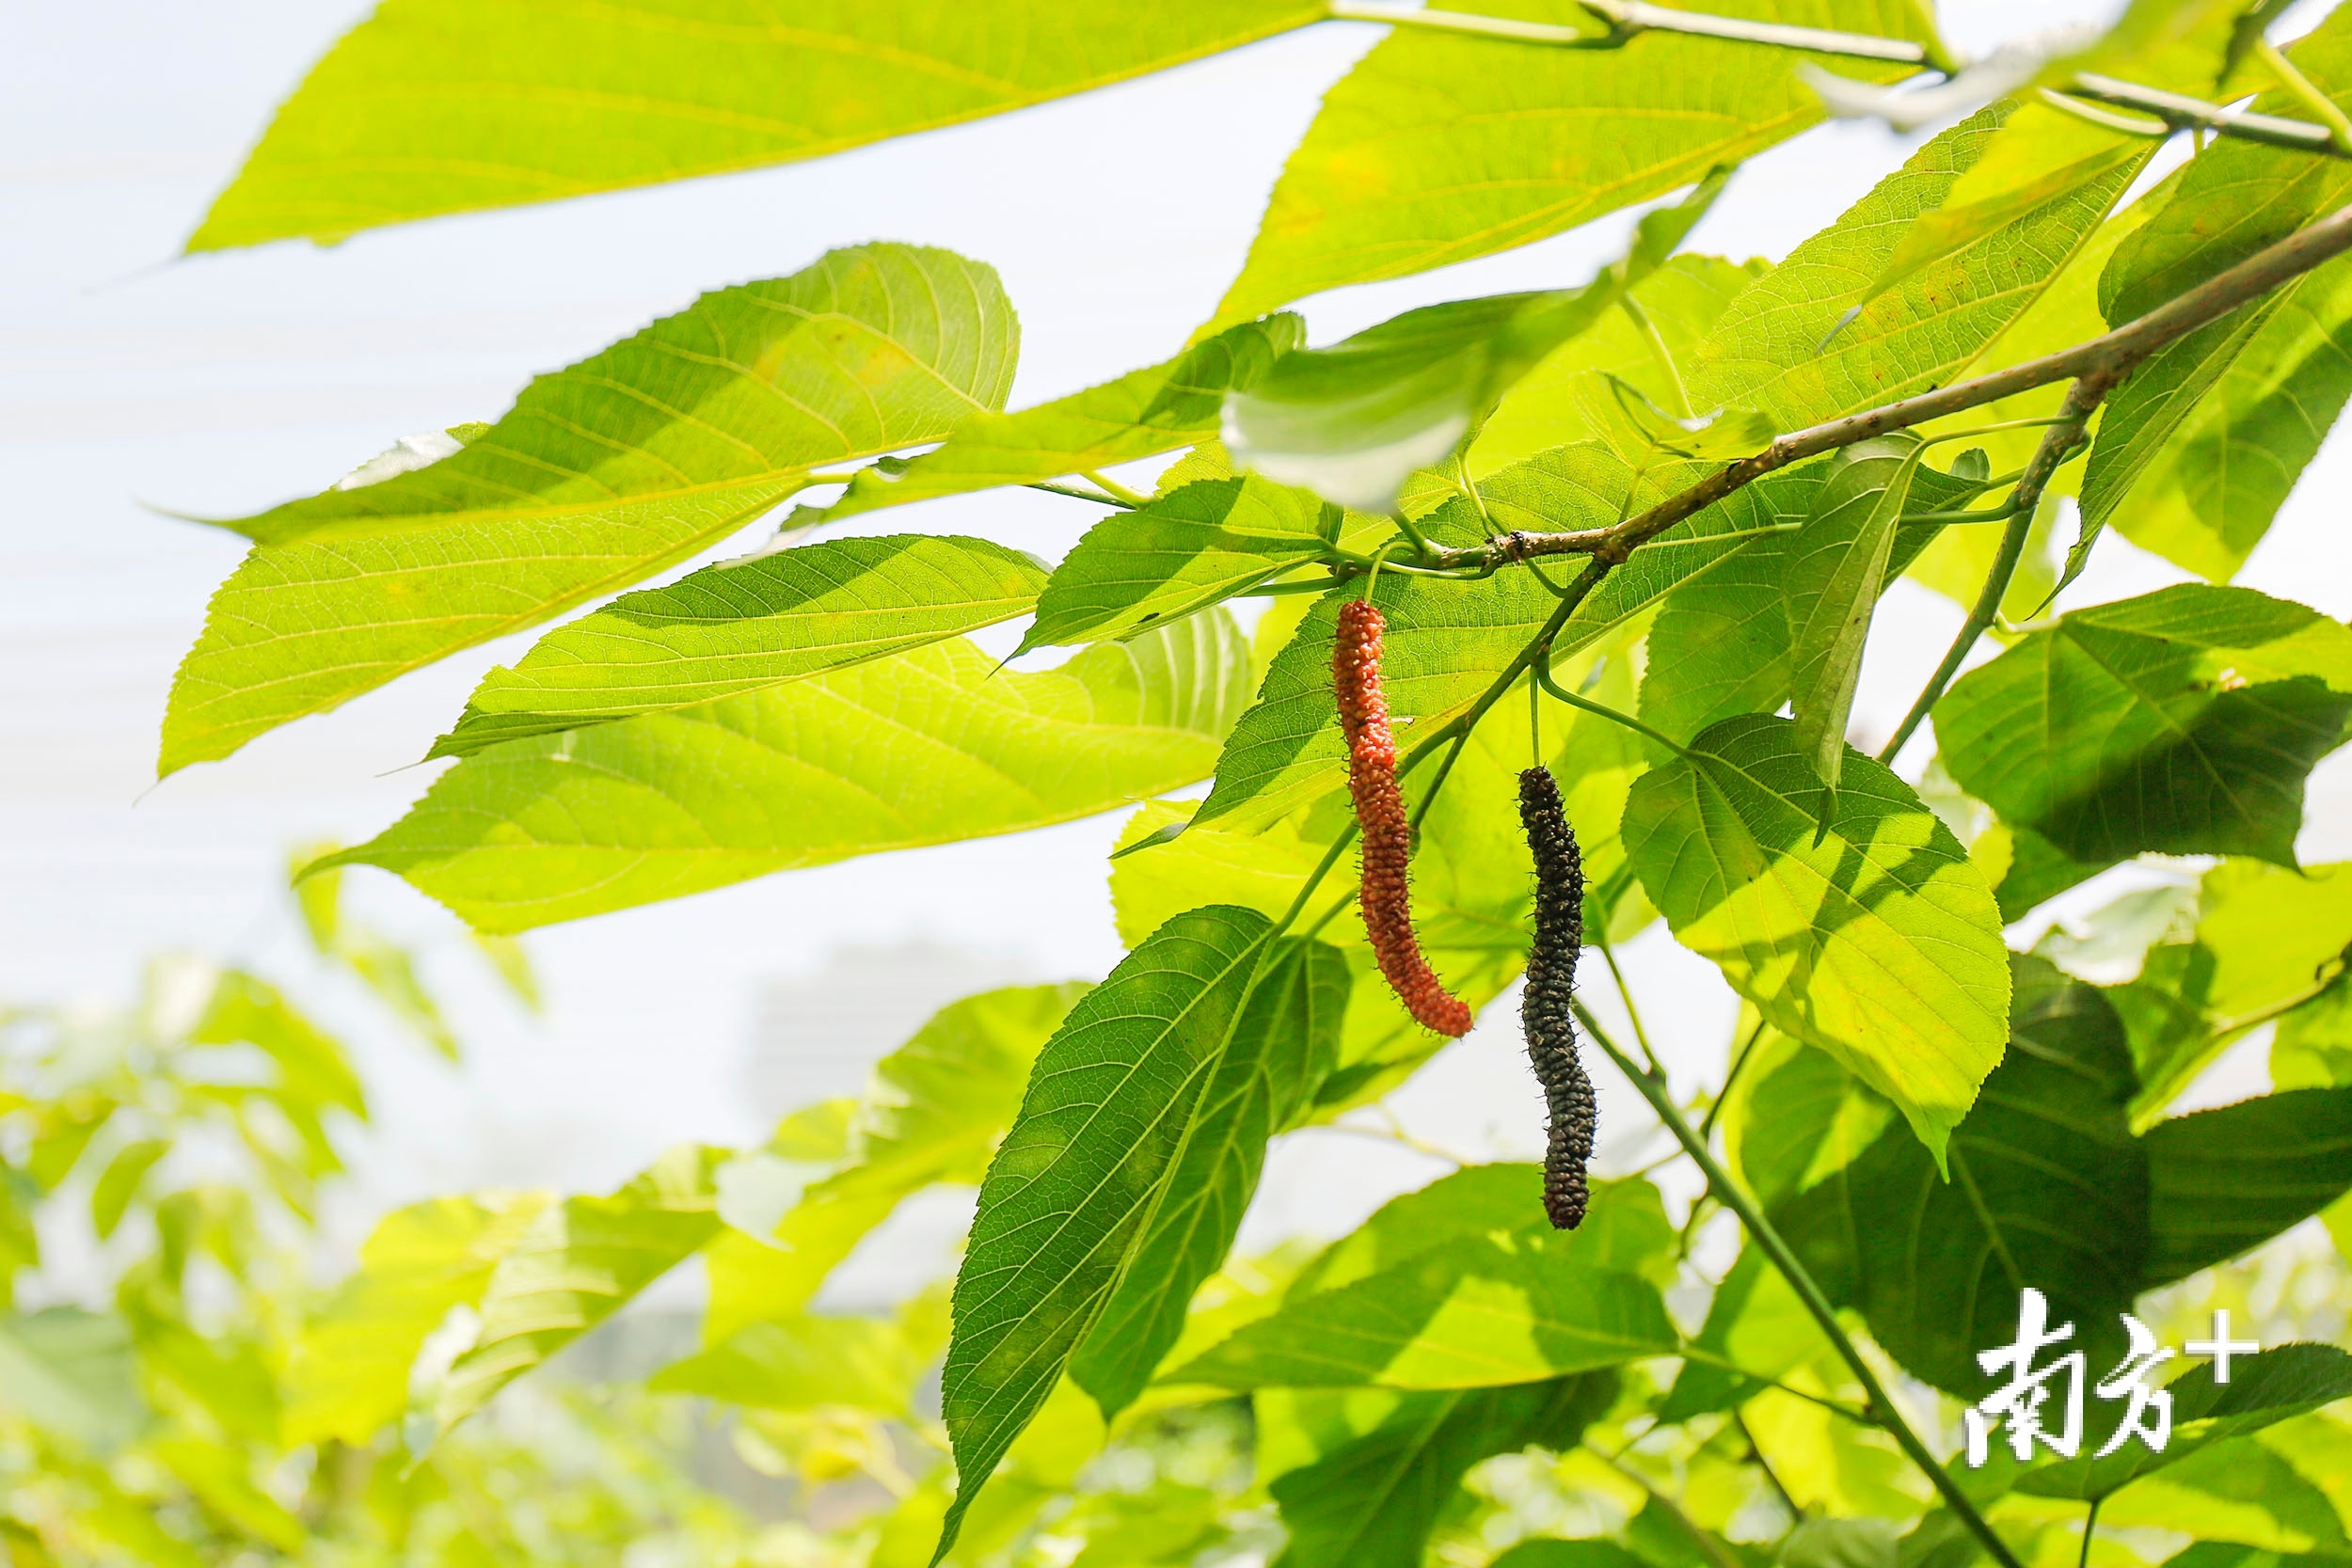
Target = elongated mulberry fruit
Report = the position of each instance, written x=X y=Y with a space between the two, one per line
x=1380 y=812
x=1546 y=1007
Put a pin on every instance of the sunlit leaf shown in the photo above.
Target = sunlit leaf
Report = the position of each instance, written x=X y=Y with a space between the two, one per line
x=601 y=474
x=1144 y=412
x=1350 y=421
x=1404 y=171
x=1863 y=929
x=1186 y=550
x=431 y=107
x=1468 y=1313
x=350 y=1374
x=745 y=625
x=925 y=747
x=577 y=1263
x=1810 y=339
x=1838 y=565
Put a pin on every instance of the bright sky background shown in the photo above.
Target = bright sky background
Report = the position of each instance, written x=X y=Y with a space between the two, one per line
x=221 y=385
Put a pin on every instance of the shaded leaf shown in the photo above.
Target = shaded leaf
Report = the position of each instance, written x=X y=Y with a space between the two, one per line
x=1372 y=1502
x=601 y=474
x=1873 y=938
x=431 y=107
x=925 y=747
x=2182 y=721
x=2226 y=1181
x=745 y=625
x=2280 y=1381
x=2047 y=1189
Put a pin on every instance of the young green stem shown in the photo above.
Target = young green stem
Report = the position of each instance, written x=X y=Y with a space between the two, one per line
x=2056 y=445
x=1660 y=352
x=1603 y=711
x=2090 y=1527
x=1882 y=1409
x=1077 y=494
x=2307 y=92
x=1627 y=18
x=1112 y=488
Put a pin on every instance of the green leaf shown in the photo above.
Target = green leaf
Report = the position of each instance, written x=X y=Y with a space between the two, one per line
x=745 y=625
x=70 y=1375
x=1145 y=412
x=2282 y=1381
x=925 y=747
x=1404 y=171
x=1838 y=567
x=603 y=473
x=1756 y=1320
x=808 y=1362
x=1864 y=930
x=1588 y=1552
x=931 y=1114
x=1723 y=641
x=1283 y=1046
x=2200 y=448
x=1186 y=550
x=2182 y=721
x=1809 y=341
x=1350 y=421
x=1472 y=888
x=220 y=1479
x=1470 y=1201
x=2237 y=1489
x=1446 y=642
x=1372 y=1502
x=2047 y=1189
x=2042 y=155
x=1572 y=396
x=313 y=1069
x=2226 y=1181
x=1473 y=1309
x=2267 y=193
x=431 y=107
x=577 y=1264
x=1148 y=1078
x=118 y=1183
x=350 y=1374
x=2207 y=438
x=2266 y=939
